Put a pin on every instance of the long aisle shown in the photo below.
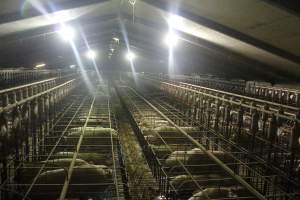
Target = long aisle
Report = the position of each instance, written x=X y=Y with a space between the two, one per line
x=141 y=183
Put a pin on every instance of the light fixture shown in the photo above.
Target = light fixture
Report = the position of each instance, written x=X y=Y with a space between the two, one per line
x=116 y=39
x=171 y=39
x=40 y=65
x=175 y=21
x=130 y=56
x=72 y=66
x=62 y=16
x=67 y=33
x=91 y=54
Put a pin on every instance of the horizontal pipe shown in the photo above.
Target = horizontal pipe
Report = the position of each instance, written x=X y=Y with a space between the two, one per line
x=27 y=85
x=292 y=117
x=23 y=101
x=239 y=96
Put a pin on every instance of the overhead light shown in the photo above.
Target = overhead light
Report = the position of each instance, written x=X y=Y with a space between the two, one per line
x=171 y=39
x=67 y=33
x=91 y=54
x=40 y=65
x=116 y=39
x=130 y=56
x=175 y=21
x=60 y=17
x=72 y=66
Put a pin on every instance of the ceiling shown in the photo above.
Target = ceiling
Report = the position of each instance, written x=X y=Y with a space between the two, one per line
x=249 y=39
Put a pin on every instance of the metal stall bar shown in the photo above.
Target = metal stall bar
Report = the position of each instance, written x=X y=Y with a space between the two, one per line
x=235 y=98
x=211 y=155
x=136 y=104
x=191 y=104
x=71 y=167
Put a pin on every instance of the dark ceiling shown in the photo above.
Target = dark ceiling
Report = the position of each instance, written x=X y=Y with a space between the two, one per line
x=249 y=39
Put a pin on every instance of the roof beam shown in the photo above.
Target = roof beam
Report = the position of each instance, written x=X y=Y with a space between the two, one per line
x=224 y=29
x=64 y=5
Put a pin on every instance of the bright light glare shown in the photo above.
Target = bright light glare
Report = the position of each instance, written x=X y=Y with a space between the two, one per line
x=174 y=21
x=60 y=16
x=67 y=33
x=171 y=39
x=72 y=66
x=130 y=56
x=116 y=39
x=91 y=54
x=40 y=65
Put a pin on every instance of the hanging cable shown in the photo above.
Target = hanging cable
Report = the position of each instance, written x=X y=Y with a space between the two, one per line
x=132 y=3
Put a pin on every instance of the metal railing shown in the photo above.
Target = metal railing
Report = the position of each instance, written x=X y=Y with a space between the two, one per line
x=268 y=137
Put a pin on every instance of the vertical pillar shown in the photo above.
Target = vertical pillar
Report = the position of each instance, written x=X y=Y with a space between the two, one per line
x=217 y=114
x=271 y=139
x=227 y=120
x=294 y=145
x=16 y=128
x=34 y=124
x=201 y=110
x=240 y=123
x=26 y=111
x=5 y=100
x=4 y=151
x=47 y=114
x=254 y=129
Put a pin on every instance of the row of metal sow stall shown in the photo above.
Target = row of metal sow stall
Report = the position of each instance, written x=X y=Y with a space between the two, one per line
x=14 y=77
x=251 y=127
x=96 y=170
x=182 y=170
